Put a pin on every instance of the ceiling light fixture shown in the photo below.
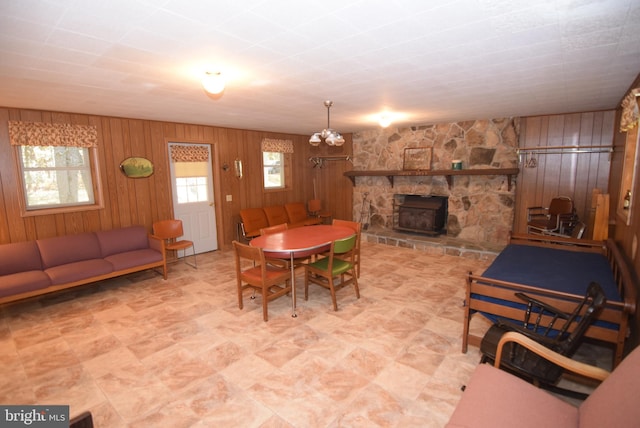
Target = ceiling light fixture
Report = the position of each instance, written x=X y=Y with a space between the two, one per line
x=385 y=120
x=213 y=82
x=331 y=136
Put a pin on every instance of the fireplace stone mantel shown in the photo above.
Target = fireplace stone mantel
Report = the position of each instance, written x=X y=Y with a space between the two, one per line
x=447 y=173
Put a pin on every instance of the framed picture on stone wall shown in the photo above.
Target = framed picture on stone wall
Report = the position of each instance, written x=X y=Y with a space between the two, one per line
x=417 y=159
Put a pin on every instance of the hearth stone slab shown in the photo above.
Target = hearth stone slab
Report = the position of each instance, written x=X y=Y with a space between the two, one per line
x=434 y=245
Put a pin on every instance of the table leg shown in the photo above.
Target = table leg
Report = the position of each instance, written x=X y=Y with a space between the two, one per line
x=293 y=289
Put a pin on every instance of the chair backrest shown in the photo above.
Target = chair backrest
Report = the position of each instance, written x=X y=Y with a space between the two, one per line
x=566 y=339
x=296 y=212
x=274 y=229
x=357 y=227
x=248 y=253
x=561 y=205
x=253 y=219
x=614 y=402
x=341 y=246
x=276 y=214
x=168 y=229
x=585 y=313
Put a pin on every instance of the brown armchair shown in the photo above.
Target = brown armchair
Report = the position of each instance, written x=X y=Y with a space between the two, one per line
x=494 y=398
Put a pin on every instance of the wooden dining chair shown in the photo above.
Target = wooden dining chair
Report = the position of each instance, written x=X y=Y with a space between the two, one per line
x=284 y=263
x=253 y=272
x=315 y=209
x=274 y=229
x=338 y=263
x=357 y=227
x=171 y=231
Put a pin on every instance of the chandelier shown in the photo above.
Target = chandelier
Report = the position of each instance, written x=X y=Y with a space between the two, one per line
x=330 y=136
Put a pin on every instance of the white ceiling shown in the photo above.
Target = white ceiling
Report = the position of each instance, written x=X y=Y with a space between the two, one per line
x=428 y=60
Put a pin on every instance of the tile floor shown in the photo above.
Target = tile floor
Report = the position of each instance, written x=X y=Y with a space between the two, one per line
x=144 y=352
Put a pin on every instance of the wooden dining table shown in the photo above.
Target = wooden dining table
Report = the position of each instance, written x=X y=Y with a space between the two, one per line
x=298 y=243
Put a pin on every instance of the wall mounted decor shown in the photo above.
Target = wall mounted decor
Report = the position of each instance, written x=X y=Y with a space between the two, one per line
x=417 y=159
x=136 y=167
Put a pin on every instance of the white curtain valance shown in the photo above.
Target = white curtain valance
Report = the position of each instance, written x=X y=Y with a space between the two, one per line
x=52 y=134
x=630 y=114
x=280 y=146
x=189 y=153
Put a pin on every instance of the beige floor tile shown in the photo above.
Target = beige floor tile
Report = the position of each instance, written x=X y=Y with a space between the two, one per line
x=141 y=351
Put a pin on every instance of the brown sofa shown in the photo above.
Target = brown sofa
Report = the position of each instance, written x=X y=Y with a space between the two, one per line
x=494 y=398
x=37 y=267
x=293 y=214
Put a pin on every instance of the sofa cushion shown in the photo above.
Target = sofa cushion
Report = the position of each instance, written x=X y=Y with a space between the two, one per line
x=23 y=282
x=68 y=249
x=298 y=216
x=276 y=214
x=76 y=271
x=122 y=240
x=134 y=258
x=494 y=398
x=19 y=257
x=253 y=219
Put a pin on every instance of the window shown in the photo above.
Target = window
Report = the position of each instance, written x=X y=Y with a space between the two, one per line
x=273 y=167
x=58 y=167
x=56 y=176
x=276 y=158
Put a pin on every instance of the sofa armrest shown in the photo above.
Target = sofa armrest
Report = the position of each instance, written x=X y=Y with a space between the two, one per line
x=577 y=367
x=156 y=243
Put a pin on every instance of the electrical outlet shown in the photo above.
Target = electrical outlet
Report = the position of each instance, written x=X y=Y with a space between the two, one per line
x=229 y=198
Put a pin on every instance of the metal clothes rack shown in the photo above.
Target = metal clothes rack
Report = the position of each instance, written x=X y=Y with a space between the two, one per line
x=318 y=161
x=531 y=162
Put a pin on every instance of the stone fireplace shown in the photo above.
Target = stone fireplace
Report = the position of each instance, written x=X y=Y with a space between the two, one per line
x=480 y=208
x=425 y=214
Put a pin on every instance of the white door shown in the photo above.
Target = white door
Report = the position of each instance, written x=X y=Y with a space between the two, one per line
x=192 y=188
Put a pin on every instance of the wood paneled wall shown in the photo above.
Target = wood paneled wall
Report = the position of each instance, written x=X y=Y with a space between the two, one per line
x=143 y=201
x=574 y=175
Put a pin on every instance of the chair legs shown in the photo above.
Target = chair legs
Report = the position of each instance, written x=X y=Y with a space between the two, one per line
x=330 y=284
x=185 y=259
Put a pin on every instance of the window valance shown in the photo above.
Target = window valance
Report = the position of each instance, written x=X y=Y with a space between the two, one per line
x=630 y=114
x=52 y=134
x=274 y=145
x=189 y=153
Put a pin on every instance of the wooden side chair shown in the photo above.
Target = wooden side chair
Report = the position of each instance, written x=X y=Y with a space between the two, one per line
x=357 y=227
x=275 y=229
x=338 y=263
x=170 y=231
x=315 y=210
x=253 y=272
